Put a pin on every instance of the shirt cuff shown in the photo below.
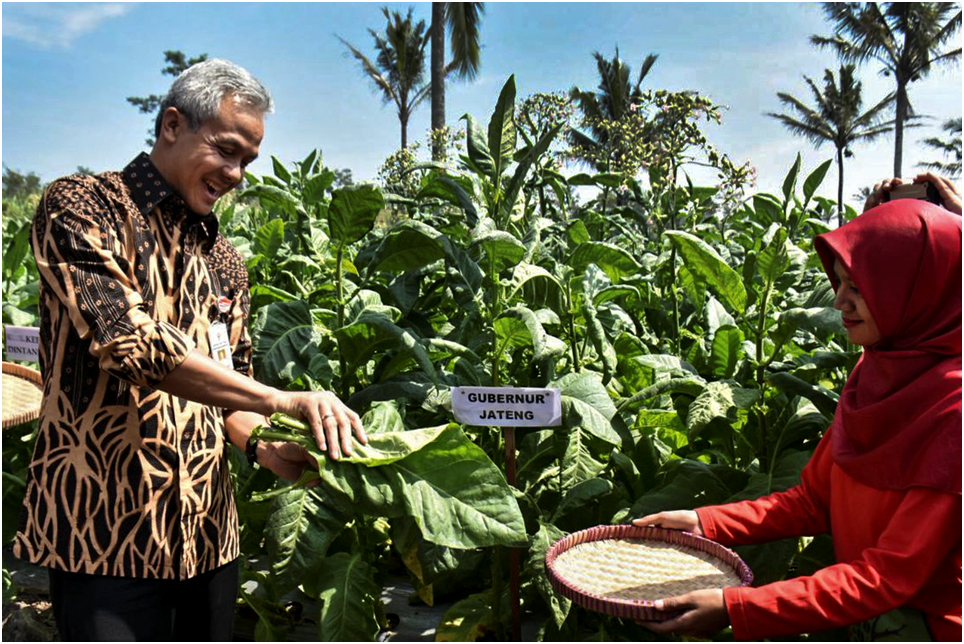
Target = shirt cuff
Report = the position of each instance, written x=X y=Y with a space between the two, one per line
x=142 y=351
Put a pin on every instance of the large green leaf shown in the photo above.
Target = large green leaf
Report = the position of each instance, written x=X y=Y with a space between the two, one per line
x=269 y=238
x=373 y=331
x=297 y=534
x=785 y=474
x=705 y=262
x=774 y=260
x=768 y=205
x=824 y=399
x=502 y=250
x=477 y=146
x=16 y=251
x=594 y=328
x=280 y=170
x=352 y=212
x=448 y=485
x=407 y=246
x=442 y=187
x=284 y=342
x=686 y=485
x=580 y=495
x=586 y=404
x=467 y=620
x=542 y=347
x=502 y=131
x=537 y=287
x=612 y=259
x=790 y=182
x=348 y=592
x=535 y=566
x=718 y=400
x=315 y=190
x=726 y=351
x=814 y=179
x=519 y=176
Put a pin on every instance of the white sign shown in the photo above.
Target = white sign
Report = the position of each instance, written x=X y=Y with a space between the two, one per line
x=507 y=406
x=23 y=342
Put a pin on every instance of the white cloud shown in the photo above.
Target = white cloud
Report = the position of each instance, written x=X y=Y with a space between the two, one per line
x=51 y=25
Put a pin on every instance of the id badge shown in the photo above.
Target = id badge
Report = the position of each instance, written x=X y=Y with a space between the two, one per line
x=220 y=344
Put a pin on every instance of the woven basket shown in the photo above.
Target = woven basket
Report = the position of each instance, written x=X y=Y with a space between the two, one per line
x=621 y=570
x=22 y=393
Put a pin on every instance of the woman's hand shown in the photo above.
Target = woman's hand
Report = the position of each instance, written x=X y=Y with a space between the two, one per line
x=878 y=195
x=686 y=520
x=950 y=198
x=700 y=613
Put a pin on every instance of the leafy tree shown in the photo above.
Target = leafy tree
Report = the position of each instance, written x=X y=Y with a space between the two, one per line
x=616 y=98
x=835 y=117
x=399 y=67
x=462 y=21
x=17 y=185
x=949 y=147
x=177 y=62
x=905 y=38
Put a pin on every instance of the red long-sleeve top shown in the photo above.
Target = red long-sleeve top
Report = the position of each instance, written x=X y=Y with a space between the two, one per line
x=893 y=549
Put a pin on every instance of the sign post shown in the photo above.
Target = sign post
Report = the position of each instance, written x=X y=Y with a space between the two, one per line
x=509 y=407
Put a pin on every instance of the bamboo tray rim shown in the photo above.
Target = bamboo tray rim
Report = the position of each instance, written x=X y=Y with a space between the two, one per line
x=25 y=405
x=638 y=609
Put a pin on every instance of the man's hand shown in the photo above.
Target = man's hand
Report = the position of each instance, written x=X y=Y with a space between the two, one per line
x=686 y=520
x=331 y=421
x=201 y=379
x=700 y=613
x=287 y=460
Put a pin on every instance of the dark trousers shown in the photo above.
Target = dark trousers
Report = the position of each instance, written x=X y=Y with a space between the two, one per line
x=100 y=608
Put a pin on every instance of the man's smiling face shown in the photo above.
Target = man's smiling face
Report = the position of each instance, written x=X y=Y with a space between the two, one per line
x=210 y=162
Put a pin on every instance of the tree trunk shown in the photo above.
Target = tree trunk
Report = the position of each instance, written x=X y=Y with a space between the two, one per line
x=901 y=116
x=438 y=76
x=403 y=120
x=840 y=158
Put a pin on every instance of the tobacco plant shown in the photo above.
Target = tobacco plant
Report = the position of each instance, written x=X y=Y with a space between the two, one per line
x=697 y=357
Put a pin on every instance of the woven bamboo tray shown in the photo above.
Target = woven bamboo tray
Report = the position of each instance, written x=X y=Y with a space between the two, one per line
x=621 y=570
x=22 y=393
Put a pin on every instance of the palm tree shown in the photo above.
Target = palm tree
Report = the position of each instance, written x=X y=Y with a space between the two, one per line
x=399 y=68
x=614 y=99
x=463 y=22
x=950 y=147
x=906 y=38
x=836 y=118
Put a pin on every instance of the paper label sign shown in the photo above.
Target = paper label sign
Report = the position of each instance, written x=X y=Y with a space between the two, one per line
x=22 y=342
x=507 y=406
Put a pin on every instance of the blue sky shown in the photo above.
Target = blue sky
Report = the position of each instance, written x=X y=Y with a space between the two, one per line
x=67 y=69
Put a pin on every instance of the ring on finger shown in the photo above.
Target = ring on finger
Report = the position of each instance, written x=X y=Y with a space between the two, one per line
x=327 y=416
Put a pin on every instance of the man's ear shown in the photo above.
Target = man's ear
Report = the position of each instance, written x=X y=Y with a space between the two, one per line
x=173 y=123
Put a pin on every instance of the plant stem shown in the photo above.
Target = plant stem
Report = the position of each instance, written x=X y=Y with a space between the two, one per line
x=339 y=285
x=761 y=373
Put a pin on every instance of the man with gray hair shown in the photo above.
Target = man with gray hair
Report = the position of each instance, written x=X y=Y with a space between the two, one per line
x=146 y=360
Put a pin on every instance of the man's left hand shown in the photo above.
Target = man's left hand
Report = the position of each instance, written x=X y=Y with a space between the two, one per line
x=287 y=460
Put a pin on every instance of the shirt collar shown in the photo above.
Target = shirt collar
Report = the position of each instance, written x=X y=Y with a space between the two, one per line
x=149 y=189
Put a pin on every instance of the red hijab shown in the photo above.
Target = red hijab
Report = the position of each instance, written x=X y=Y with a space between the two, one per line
x=898 y=421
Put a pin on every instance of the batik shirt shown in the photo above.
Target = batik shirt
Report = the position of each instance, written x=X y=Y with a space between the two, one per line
x=127 y=480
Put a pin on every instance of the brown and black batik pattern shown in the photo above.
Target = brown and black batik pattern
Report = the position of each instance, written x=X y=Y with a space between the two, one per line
x=127 y=480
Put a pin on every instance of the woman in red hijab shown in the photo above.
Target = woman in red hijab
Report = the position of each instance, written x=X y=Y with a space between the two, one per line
x=885 y=480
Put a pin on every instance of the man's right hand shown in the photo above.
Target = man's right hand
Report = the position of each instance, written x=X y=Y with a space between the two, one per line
x=332 y=422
